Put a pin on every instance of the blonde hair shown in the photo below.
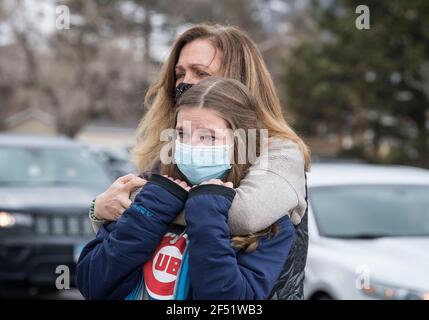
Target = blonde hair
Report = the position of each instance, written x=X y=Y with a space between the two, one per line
x=233 y=102
x=241 y=60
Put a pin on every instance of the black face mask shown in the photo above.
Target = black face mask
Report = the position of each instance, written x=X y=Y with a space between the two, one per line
x=180 y=89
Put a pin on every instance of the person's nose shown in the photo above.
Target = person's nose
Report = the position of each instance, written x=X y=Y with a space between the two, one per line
x=189 y=78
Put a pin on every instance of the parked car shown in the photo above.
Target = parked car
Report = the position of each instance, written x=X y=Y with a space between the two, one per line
x=116 y=160
x=46 y=187
x=368 y=232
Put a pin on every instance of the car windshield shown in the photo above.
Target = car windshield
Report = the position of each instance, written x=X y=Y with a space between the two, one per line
x=50 y=166
x=371 y=211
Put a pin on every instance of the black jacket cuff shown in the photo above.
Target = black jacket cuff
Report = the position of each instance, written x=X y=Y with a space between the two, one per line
x=216 y=189
x=169 y=185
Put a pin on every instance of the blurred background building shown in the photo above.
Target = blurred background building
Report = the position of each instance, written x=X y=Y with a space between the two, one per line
x=101 y=132
x=348 y=92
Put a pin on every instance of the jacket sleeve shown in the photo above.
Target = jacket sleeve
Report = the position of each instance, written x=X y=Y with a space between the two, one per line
x=273 y=187
x=218 y=271
x=110 y=265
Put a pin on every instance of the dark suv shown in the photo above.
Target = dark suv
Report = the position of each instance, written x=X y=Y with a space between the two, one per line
x=46 y=187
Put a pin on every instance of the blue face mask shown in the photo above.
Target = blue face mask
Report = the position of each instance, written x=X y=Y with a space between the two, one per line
x=201 y=163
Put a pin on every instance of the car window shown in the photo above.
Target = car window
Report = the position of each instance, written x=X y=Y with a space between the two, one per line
x=371 y=211
x=47 y=166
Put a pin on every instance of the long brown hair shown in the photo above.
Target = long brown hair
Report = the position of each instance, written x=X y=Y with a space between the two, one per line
x=241 y=60
x=233 y=102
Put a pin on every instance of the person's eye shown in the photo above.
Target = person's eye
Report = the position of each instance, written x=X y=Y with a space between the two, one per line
x=208 y=138
x=180 y=137
x=202 y=74
x=184 y=135
x=179 y=75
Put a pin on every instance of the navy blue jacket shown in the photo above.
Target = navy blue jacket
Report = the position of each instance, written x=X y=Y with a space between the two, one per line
x=110 y=265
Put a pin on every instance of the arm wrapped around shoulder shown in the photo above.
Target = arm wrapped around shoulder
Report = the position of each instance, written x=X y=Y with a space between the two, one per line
x=274 y=187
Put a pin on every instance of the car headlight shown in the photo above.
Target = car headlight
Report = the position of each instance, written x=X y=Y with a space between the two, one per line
x=9 y=219
x=388 y=292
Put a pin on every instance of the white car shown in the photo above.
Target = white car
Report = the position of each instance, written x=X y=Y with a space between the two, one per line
x=368 y=232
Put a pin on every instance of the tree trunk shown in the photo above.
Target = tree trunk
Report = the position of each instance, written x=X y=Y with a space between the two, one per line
x=147 y=31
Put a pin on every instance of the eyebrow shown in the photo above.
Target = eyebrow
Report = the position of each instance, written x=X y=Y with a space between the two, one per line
x=194 y=66
x=212 y=131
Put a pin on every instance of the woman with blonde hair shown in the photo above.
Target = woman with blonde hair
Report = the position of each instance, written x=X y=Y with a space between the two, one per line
x=266 y=192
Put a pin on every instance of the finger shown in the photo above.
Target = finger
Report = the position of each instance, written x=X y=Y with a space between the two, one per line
x=188 y=188
x=125 y=202
x=228 y=184
x=183 y=184
x=115 y=212
x=120 y=212
x=134 y=184
x=126 y=178
x=115 y=215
